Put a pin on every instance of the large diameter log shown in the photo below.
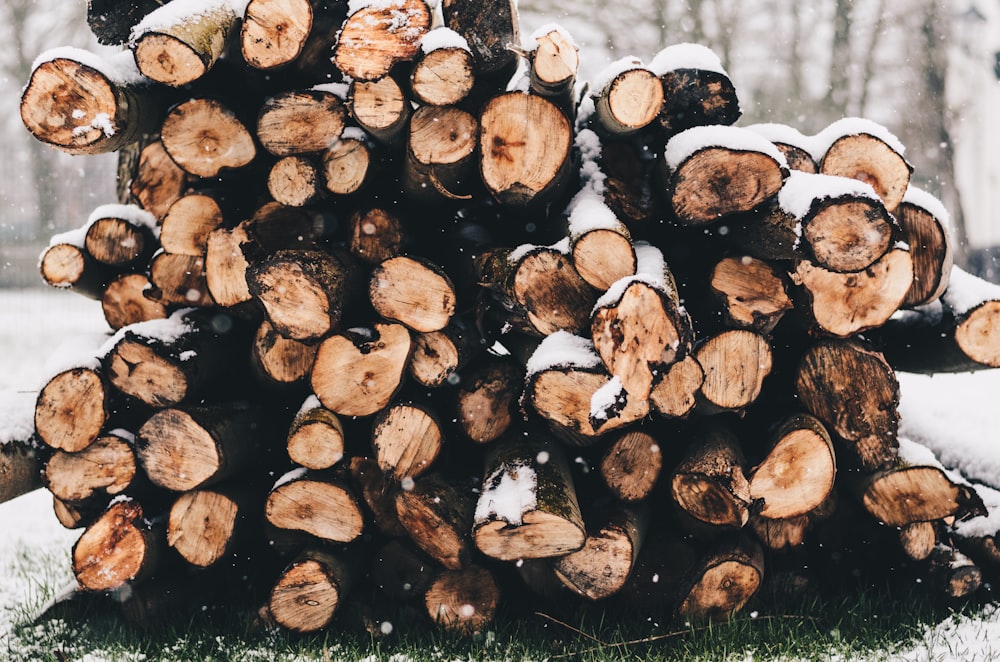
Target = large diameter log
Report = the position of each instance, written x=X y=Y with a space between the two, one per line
x=710 y=483
x=81 y=103
x=204 y=525
x=463 y=601
x=300 y=121
x=862 y=149
x=274 y=32
x=527 y=507
x=204 y=137
x=307 y=595
x=489 y=28
x=724 y=580
x=852 y=389
x=72 y=408
x=189 y=221
x=407 y=438
x=732 y=383
x=121 y=546
x=106 y=467
x=316 y=436
x=317 y=504
x=379 y=35
x=437 y=517
x=357 y=372
x=177 y=46
x=925 y=223
x=124 y=302
x=752 y=293
x=631 y=465
x=525 y=143
x=413 y=292
x=798 y=472
x=697 y=91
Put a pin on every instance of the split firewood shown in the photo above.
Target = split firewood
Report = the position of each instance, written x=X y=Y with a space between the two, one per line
x=798 y=472
x=735 y=363
x=724 y=580
x=413 y=292
x=122 y=546
x=697 y=91
x=315 y=503
x=121 y=236
x=358 y=371
x=186 y=226
x=274 y=32
x=600 y=568
x=177 y=46
x=226 y=266
x=406 y=438
x=184 y=449
x=437 y=516
x=316 y=436
x=179 y=280
x=918 y=539
x=438 y=356
x=280 y=360
x=158 y=181
x=926 y=230
x=105 y=468
x=853 y=391
x=489 y=28
x=528 y=506
x=378 y=35
x=675 y=394
x=464 y=600
x=487 y=399
x=380 y=107
x=631 y=465
x=716 y=171
x=600 y=244
x=82 y=103
x=307 y=595
x=300 y=121
x=204 y=137
x=799 y=149
x=862 y=149
x=553 y=65
x=627 y=96
x=752 y=293
x=205 y=525
x=73 y=406
x=443 y=72
x=347 y=164
x=379 y=493
x=710 y=483
x=440 y=156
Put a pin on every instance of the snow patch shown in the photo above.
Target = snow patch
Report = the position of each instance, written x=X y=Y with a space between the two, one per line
x=923 y=200
x=695 y=139
x=966 y=291
x=289 y=476
x=519 y=253
x=587 y=212
x=119 y=68
x=163 y=330
x=788 y=135
x=802 y=189
x=311 y=402
x=179 y=12
x=650 y=268
x=17 y=417
x=857 y=126
x=563 y=350
x=606 y=399
x=508 y=493
x=84 y=350
x=443 y=38
x=133 y=214
x=612 y=71
x=686 y=56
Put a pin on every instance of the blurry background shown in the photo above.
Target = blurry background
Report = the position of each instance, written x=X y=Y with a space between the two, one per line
x=929 y=70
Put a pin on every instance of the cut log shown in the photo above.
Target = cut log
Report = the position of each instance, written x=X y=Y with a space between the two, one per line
x=798 y=472
x=317 y=504
x=630 y=101
x=205 y=525
x=226 y=266
x=553 y=66
x=954 y=574
x=600 y=244
x=204 y=137
x=697 y=91
x=852 y=389
x=179 y=280
x=82 y=103
x=105 y=468
x=75 y=516
x=488 y=397
x=441 y=150
x=439 y=355
x=184 y=449
x=375 y=234
x=316 y=436
x=186 y=226
x=406 y=438
x=724 y=580
x=274 y=32
x=489 y=28
x=781 y=534
x=281 y=360
x=443 y=73
x=380 y=107
x=600 y=568
x=525 y=143
x=710 y=483
x=379 y=35
x=307 y=595
x=925 y=223
x=865 y=151
x=66 y=264
x=296 y=181
x=527 y=508
x=176 y=47
x=347 y=164
x=463 y=601
x=300 y=121
x=121 y=236
x=752 y=294
x=631 y=465
x=437 y=517
x=124 y=302
x=379 y=493
x=158 y=182
x=735 y=363
x=72 y=408
x=122 y=546
x=413 y=292
x=918 y=539
x=20 y=469
x=357 y=372
x=676 y=393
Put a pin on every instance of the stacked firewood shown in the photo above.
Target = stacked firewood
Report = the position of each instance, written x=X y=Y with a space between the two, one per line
x=404 y=313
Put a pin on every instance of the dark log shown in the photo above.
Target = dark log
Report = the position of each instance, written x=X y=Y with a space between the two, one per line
x=309 y=592
x=490 y=28
x=463 y=601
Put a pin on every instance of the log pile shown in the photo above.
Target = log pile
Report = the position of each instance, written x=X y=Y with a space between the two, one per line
x=403 y=313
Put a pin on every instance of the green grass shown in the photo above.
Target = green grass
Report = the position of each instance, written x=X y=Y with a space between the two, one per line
x=870 y=623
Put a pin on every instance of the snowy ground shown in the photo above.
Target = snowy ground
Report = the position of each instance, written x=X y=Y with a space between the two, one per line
x=955 y=414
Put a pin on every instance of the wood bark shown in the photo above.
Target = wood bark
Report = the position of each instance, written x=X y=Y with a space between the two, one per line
x=441 y=150
x=489 y=28
x=697 y=97
x=68 y=266
x=118 y=240
x=463 y=601
x=553 y=67
x=930 y=245
x=20 y=470
x=379 y=493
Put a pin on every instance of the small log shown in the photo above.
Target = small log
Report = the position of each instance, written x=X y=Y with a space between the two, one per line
x=179 y=45
x=527 y=508
x=122 y=546
x=864 y=150
x=918 y=539
x=630 y=100
x=735 y=363
x=205 y=525
x=347 y=164
x=66 y=264
x=487 y=399
x=358 y=371
x=600 y=244
x=798 y=472
x=380 y=107
x=185 y=449
x=406 y=438
x=710 y=483
x=158 y=182
x=204 y=137
x=601 y=567
x=443 y=72
x=274 y=32
x=72 y=408
x=281 y=360
x=553 y=66
x=437 y=517
x=631 y=465
x=82 y=103
x=697 y=91
x=379 y=35
x=107 y=467
x=124 y=302
x=179 y=280
x=121 y=236
x=413 y=292
x=489 y=28
x=854 y=392
x=925 y=223
x=379 y=493
x=316 y=436
x=375 y=234
x=463 y=601
x=438 y=356
x=317 y=504
x=525 y=143
x=300 y=121
x=309 y=592
x=723 y=581
x=752 y=294
x=440 y=156
x=189 y=221
x=675 y=394
x=296 y=181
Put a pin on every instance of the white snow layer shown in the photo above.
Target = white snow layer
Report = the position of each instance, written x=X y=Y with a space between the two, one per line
x=612 y=71
x=84 y=350
x=695 y=139
x=310 y=403
x=856 y=126
x=509 y=493
x=289 y=476
x=518 y=254
x=133 y=214
x=587 y=212
x=987 y=525
x=17 y=417
x=788 y=135
x=966 y=291
x=164 y=330
x=592 y=178
x=930 y=204
x=802 y=189
x=179 y=12
x=563 y=350
x=443 y=38
x=686 y=56
x=604 y=399
x=354 y=6
x=650 y=268
x=339 y=90
x=548 y=29
x=119 y=68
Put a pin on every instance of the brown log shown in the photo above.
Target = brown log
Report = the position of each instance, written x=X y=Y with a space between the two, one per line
x=925 y=224
x=177 y=48
x=20 y=469
x=710 y=483
x=600 y=244
x=189 y=221
x=489 y=28
x=278 y=359
x=954 y=574
x=735 y=363
x=317 y=504
x=797 y=148
x=122 y=546
x=413 y=292
x=780 y=534
x=379 y=493
x=124 y=302
x=528 y=507
x=204 y=137
x=437 y=517
x=300 y=121
x=553 y=66
x=868 y=153
x=316 y=436
x=375 y=234
x=82 y=103
x=406 y=438
x=601 y=567
x=274 y=32
x=184 y=449
x=723 y=581
x=205 y=525
x=357 y=372
x=844 y=304
x=158 y=182
x=296 y=181
x=121 y=236
x=179 y=280
x=463 y=601
x=752 y=293
x=697 y=91
x=441 y=148
x=347 y=164
x=226 y=266
x=309 y=592
x=631 y=465
x=75 y=516
x=380 y=107
x=852 y=389
x=798 y=472
x=107 y=467
x=487 y=399
x=304 y=292
x=917 y=540
x=73 y=407
x=438 y=356
x=630 y=101
x=706 y=180
x=629 y=186
x=378 y=36
x=66 y=264
x=676 y=393
x=525 y=143
x=443 y=74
